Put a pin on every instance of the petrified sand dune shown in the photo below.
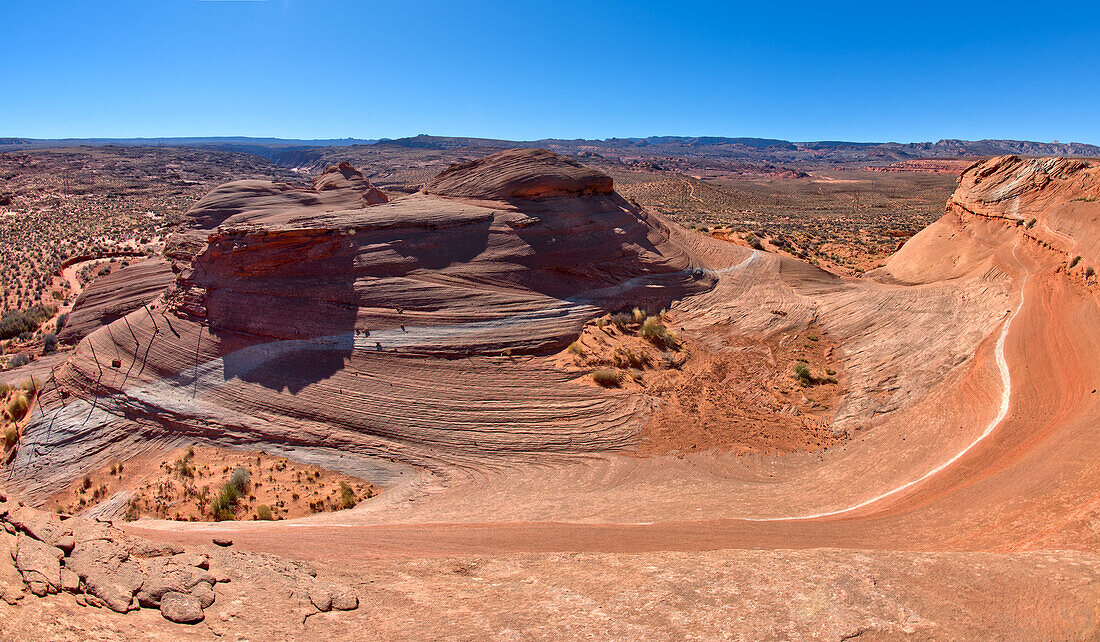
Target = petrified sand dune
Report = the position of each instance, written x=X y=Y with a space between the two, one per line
x=382 y=338
x=116 y=295
x=326 y=318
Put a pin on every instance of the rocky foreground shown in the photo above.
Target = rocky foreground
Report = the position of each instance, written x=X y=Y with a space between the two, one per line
x=44 y=554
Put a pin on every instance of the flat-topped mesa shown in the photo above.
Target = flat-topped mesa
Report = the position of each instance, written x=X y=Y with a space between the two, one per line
x=526 y=174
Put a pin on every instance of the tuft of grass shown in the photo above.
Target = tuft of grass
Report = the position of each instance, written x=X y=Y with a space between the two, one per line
x=239 y=479
x=606 y=378
x=576 y=348
x=654 y=331
x=11 y=437
x=263 y=512
x=17 y=406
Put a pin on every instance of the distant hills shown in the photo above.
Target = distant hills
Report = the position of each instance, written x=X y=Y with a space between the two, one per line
x=765 y=150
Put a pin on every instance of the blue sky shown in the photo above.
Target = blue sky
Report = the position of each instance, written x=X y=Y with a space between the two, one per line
x=902 y=71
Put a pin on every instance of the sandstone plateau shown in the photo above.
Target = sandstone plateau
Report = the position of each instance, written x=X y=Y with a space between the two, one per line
x=945 y=489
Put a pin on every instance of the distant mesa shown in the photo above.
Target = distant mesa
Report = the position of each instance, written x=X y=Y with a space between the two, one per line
x=520 y=174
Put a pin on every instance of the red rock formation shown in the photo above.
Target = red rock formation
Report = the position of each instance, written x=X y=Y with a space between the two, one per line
x=520 y=174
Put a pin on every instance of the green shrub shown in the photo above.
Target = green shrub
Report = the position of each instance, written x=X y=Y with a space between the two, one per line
x=263 y=512
x=18 y=322
x=655 y=332
x=225 y=502
x=606 y=378
x=1075 y=261
x=802 y=373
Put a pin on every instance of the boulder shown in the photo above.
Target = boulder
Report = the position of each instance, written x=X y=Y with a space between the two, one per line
x=327 y=597
x=108 y=572
x=181 y=608
x=70 y=581
x=165 y=575
x=40 y=565
x=11 y=581
x=40 y=525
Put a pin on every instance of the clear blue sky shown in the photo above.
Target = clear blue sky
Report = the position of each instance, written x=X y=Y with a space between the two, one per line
x=865 y=71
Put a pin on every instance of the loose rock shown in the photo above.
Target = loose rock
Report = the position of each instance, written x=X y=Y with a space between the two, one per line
x=181 y=608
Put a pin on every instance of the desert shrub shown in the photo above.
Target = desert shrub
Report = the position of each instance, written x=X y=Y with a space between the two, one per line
x=225 y=502
x=802 y=373
x=637 y=315
x=17 y=406
x=11 y=436
x=622 y=320
x=347 y=496
x=1030 y=224
x=49 y=343
x=16 y=323
x=754 y=242
x=62 y=320
x=239 y=479
x=655 y=332
x=606 y=378
x=18 y=361
x=576 y=348
x=263 y=512
x=1089 y=272
x=627 y=358
x=1075 y=261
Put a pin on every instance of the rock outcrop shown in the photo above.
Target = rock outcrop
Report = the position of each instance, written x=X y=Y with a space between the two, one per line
x=522 y=174
x=402 y=319
x=104 y=566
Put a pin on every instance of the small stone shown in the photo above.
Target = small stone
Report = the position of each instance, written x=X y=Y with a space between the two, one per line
x=193 y=559
x=222 y=541
x=181 y=608
x=69 y=581
x=66 y=543
x=327 y=597
x=81 y=600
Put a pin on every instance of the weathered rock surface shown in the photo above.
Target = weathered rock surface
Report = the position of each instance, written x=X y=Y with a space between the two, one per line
x=520 y=174
x=181 y=608
x=112 y=297
x=40 y=565
x=328 y=597
x=104 y=566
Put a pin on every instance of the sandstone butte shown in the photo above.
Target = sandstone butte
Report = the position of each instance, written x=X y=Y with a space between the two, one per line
x=412 y=342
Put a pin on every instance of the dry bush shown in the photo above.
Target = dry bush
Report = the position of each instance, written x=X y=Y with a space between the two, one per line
x=606 y=378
